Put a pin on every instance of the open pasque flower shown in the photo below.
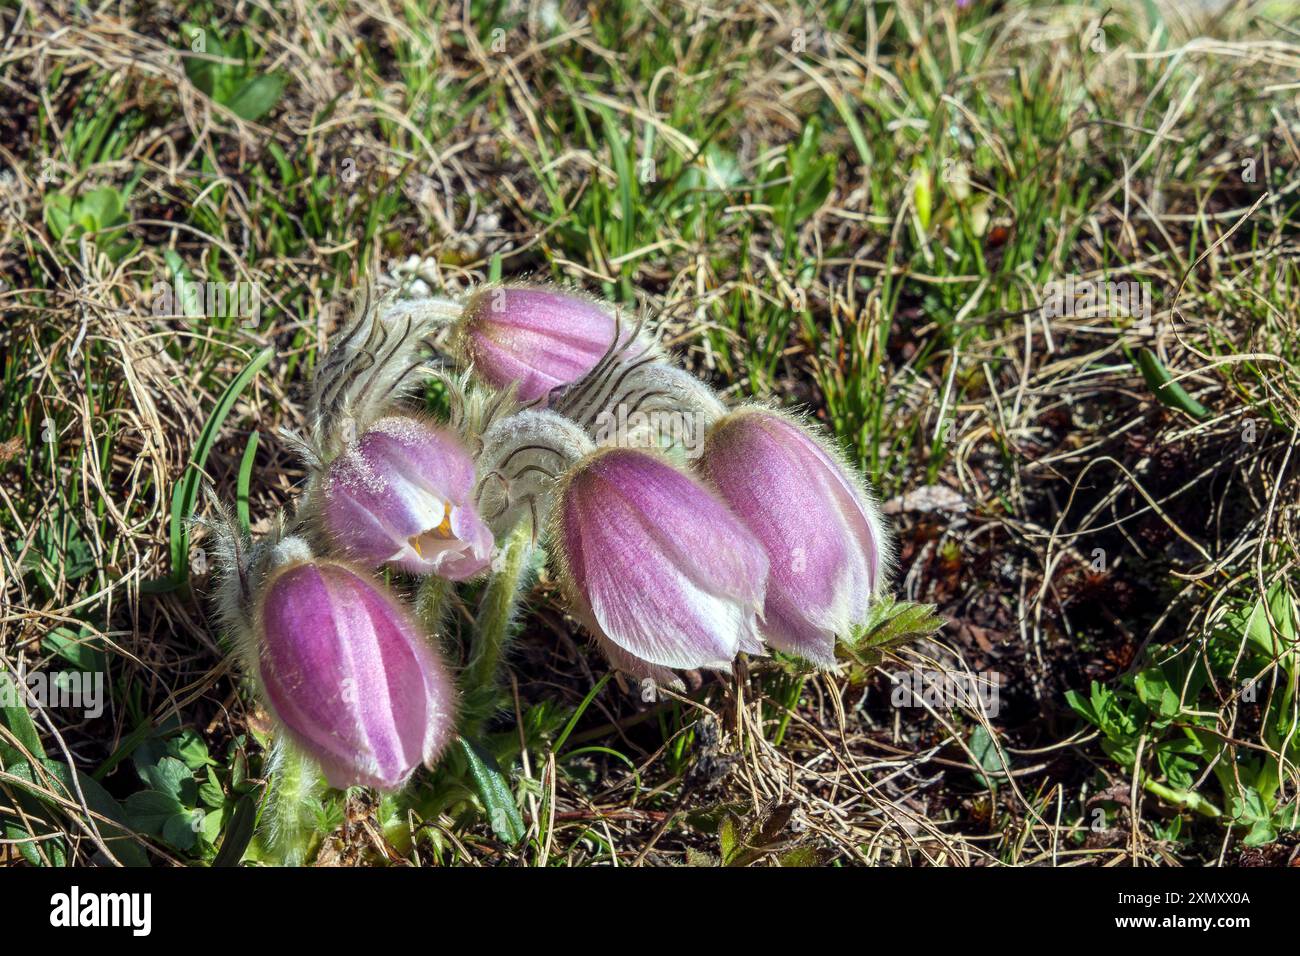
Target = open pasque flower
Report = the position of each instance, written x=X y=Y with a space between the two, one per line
x=403 y=495
x=818 y=525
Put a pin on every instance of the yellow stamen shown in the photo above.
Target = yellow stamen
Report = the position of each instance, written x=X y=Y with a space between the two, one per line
x=442 y=532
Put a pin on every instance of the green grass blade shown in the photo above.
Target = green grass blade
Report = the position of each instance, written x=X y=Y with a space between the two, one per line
x=245 y=475
x=186 y=493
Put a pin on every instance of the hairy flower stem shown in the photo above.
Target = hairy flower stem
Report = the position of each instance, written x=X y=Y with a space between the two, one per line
x=497 y=611
x=289 y=819
x=431 y=604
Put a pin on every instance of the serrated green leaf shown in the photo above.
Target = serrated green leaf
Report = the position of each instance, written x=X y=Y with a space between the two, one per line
x=890 y=624
x=210 y=791
x=163 y=816
x=168 y=776
x=190 y=747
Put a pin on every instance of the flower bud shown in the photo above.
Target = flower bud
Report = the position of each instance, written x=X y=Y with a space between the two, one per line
x=522 y=457
x=403 y=495
x=656 y=566
x=536 y=338
x=378 y=358
x=349 y=674
x=820 y=528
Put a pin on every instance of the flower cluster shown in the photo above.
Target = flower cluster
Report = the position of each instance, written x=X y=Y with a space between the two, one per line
x=684 y=532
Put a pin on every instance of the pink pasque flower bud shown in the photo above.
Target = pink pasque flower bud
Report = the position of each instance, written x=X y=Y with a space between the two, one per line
x=403 y=495
x=820 y=528
x=349 y=674
x=656 y=566
x=537 y=338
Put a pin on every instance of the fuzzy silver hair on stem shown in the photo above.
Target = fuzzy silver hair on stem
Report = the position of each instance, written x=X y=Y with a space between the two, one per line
x=242 y=566
x=634 y=398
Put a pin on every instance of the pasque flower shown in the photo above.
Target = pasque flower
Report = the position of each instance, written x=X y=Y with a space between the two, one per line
x=402 y=494
x=818 y=525
x=349 y=674
x=656 y=566
x=537 y=338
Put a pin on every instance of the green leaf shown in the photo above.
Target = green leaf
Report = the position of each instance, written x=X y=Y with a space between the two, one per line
x=801 y=856
x=986 y=753
x=151 y=809
x=58 y=214
x=890 y=623
x=190 y=747
x=163 y=816
x=186 y=493
x=117 y=838
x=14 y=715
x=210 y=792
x=494 y=790
x=1162 y=383
x=728 y=842
x=100 y=208
x=255 y=98
x=211 y=828
x=696 y=857
x=1153 y=690
x=83 y=650
x=1274 y=644
x=55 y=850
x=200 y=70
x=169 y=776
x=238 y=833
x=1082 y=706
x=245 y=479
x=182 y=830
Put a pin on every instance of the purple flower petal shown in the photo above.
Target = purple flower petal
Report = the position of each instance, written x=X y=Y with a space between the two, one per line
x=402 y=495
x=535 y=337
x=820 y=530
x=658 y=564
x=350 y=676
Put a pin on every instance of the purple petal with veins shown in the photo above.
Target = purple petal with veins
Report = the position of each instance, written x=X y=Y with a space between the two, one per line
x=657 y=564
x=819 y=527
x=350 y=675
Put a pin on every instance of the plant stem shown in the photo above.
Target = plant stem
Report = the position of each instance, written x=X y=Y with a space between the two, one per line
x=1189 y=799
x=497 y=611
x=290 y=815
x=431 y=604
